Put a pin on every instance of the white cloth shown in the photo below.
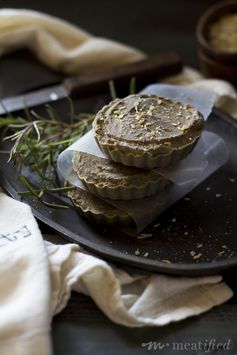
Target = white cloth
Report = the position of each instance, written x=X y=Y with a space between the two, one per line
x=58 y=44
x=36 y=279
x=193 y=78
x=24 y=283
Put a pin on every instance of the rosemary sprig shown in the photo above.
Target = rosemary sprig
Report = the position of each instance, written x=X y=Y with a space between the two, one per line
x=37 y=142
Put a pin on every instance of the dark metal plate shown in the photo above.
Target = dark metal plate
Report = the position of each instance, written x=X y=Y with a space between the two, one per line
x=196 y=236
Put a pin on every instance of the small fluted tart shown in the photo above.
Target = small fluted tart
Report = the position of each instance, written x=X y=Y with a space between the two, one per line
x=97 y=210
x=115 y=181
x=147 y=131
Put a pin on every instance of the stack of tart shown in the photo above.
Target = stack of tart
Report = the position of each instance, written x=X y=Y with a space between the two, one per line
x=139 y=134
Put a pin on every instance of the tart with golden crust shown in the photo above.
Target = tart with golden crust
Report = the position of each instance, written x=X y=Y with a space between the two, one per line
x=115 y=181
x=97 y=210
x=147 y=131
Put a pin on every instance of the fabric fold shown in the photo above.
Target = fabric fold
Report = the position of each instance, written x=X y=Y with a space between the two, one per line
x=130 y=299
x=60 y=45
x=24 y=282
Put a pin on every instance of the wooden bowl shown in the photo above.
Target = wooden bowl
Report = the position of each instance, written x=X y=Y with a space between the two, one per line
x=213 y=62
x=217 y=69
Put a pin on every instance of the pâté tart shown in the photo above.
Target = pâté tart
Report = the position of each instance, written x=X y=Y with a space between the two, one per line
x=97 y=210
x=115 y=181
x=147 y=131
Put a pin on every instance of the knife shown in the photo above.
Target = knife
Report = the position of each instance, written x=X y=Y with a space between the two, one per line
x=144 y=71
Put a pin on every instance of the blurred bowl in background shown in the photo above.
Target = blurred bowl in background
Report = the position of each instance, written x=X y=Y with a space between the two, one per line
x=217 y=41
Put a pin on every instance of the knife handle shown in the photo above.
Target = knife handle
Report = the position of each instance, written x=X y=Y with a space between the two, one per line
x=145 y=72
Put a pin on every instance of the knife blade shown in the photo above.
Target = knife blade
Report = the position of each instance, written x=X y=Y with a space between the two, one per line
x=145 y=71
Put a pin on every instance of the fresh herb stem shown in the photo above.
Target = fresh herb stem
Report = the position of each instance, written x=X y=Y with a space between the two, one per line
x=132 y=86
x=37 y=141
x=112 y=90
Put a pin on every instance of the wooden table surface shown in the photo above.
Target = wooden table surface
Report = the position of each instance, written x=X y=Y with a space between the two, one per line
x=152 y=26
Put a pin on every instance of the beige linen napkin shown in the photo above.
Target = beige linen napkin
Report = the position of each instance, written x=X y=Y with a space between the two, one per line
x=58 y=44
x=130 y=299
x=36 y=280
x=25 y=289
x=193 y=78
